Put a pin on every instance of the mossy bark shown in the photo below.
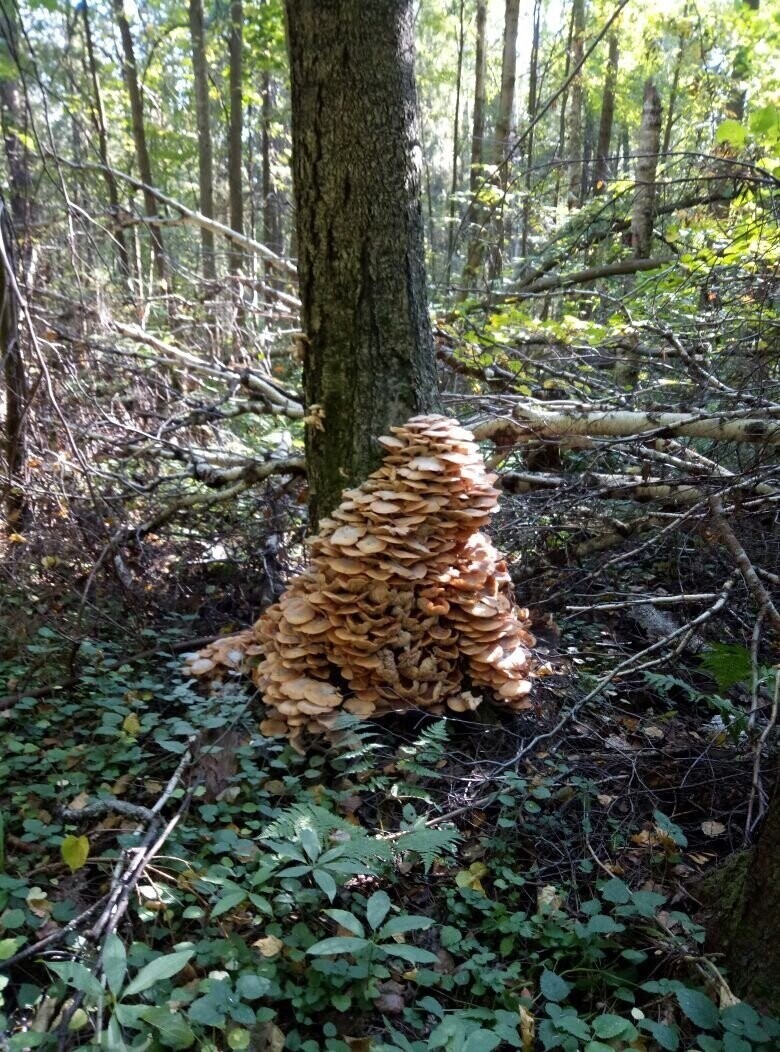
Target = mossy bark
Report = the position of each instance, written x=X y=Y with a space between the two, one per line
x=368 y=359
x=744 y=921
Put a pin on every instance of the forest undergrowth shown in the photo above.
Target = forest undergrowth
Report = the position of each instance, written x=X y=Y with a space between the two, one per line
x=527 y=882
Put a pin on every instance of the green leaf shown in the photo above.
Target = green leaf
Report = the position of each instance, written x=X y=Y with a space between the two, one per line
x=75 y=851
x=414 y=954
x=728 y=664
x=377 y=908
x=667 y=1037
x=609 y=1026
x=399 y=925
x=114 y=963
x=616 y=891
x=310 y=843
x=346 y=920
x=228 y=902
x=238 y=1038
x=325 y=882
x=79 y=977
x=173 y=1027
x=8 y=947
x=251 y=986
x=698 y=1008
x=338 y=944
x=601 y=924
x=572 y=1024
x=731 y=131
x=553 y=987
x=158 y=969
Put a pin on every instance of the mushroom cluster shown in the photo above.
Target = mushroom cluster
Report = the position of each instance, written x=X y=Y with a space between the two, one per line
x=404 y=604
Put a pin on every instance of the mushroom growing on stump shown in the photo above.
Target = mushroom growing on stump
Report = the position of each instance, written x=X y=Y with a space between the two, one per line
x=404 y=603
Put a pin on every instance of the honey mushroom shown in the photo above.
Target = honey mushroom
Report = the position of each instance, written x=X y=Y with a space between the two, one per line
x=403 y=599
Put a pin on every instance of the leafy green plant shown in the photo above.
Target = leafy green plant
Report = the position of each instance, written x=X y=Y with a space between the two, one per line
x=368 y=947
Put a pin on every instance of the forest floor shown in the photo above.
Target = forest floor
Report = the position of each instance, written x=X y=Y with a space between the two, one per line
x=171 y=879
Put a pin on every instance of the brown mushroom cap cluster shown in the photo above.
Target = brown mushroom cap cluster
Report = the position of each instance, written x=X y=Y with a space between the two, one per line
x=404 y=597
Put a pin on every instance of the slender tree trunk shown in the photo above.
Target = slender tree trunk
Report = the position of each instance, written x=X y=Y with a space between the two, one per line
x=272 y=235
x=739 y=72
x=643 y=213
x=15 y=381
x=673 y=90
x=22 y=214
x=139 y=136
x=649 y=145
x=506 y=106
x=601 y=170
x=476 y=173
x=575 y=136
x=483 y=240
x=99 y=121
x=205 y=162
x=533 y=90
x=235 y=144
x=476 y=215
x=452 y=208
x=369 y=360
x=561 y=151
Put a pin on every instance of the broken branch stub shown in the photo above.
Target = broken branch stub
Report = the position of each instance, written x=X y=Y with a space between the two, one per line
x=405 y=602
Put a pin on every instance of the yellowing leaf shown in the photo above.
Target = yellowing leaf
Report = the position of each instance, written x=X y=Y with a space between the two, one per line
x=79 y=802
x=470 y=878
x=268 y=946
x=37 y=902
x=17 y=538
x=75 y=852
x=131 y=725
x=712 y=828
x=527 y=1029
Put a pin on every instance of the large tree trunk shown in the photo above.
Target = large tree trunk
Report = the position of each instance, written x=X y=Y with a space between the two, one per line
x=235 y=150
x=601 y=169
x=369 y=359
x=99 y=121
x=205 y=163
x=575 y=136
x=139 y=135
x=744 y=921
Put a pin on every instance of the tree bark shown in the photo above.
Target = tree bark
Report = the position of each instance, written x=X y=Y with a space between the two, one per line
x=744 y=923
x=139 y=136
x=369 y=358
x=235 y=145
x=23 y=209
x=452 y=208
x=643 y=212
x=203 y=122
x=483 y=240
x=99 y=121
x=272 y=234
x=476 y=215
x=14 y=376
x=575 y=136
x=532 y=422
x=476 y=174
x=533 y=88
x=506 y=107
x=601 y=169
